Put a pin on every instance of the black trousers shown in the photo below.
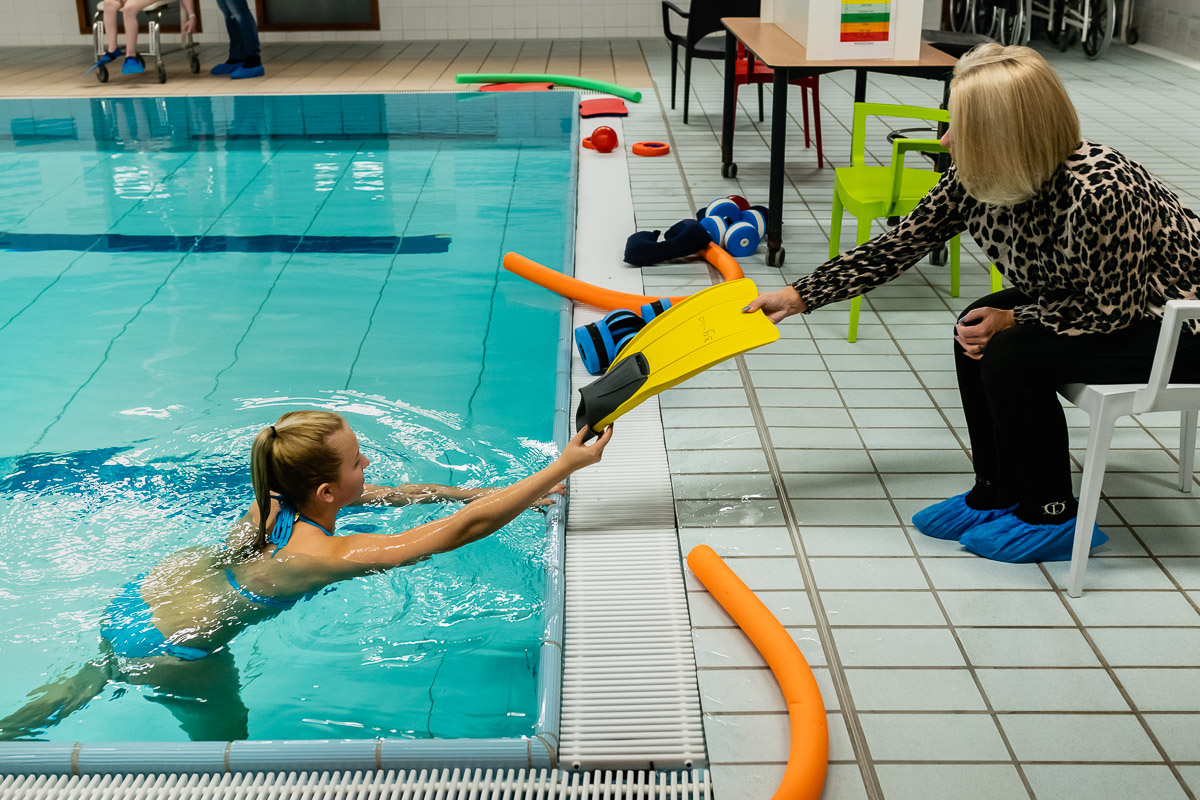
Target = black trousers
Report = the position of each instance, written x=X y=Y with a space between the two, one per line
x=1015 y=421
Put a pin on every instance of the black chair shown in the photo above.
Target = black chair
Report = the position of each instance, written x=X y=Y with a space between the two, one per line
x=703 y=18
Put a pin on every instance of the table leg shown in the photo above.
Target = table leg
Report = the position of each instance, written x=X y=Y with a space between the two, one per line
x=938 y=255
x=728 y=168
x=860 y=86
x=779 y=88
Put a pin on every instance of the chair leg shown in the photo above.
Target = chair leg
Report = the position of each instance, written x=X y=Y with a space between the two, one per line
x=804 y=103
x=816 y=101
x=687 y=83
x=1187 y=449
x=864 y=233
x=760 y=102
x=1099 y=439
x=955 y=254
x=674 y=67
x=835 y=227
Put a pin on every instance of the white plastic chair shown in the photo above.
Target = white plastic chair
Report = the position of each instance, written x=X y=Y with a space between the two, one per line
x=1105 y=403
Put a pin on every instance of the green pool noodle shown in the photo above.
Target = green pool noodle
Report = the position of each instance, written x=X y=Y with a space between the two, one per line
x=561 y=80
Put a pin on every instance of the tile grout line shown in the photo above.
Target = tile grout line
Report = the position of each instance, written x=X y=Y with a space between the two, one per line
x=837 y=673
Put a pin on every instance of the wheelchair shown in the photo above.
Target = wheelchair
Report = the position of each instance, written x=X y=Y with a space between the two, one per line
x=1005 y=21
x=154 y=48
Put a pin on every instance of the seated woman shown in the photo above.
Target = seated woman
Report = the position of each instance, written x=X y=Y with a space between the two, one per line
x=170 y=628
x=1093 y=245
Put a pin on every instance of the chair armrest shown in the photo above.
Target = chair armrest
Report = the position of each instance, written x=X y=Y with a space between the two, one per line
x=667 y=8
x=899 y=148
x=1175 y=314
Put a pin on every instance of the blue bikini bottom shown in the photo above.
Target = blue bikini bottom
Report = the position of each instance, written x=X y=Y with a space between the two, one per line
x=129 y=627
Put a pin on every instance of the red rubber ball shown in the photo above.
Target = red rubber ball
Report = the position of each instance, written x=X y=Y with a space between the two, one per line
x=604 y=139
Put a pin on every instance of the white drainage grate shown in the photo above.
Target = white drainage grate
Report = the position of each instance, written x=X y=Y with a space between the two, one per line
x=630 y=698
x=404 y=785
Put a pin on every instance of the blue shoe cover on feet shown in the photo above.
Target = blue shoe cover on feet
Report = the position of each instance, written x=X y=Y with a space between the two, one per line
x=225 y=68
x=248 y=72
x=951 y=518
x=108 y=57
x=1016 y=542
x=133 y=66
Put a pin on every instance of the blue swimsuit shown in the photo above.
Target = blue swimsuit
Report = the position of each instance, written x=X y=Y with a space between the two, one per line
x=128 y=624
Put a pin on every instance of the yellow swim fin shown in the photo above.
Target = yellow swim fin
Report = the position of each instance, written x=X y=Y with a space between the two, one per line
x=700 y=331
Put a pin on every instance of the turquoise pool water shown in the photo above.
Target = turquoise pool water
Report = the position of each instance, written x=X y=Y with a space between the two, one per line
x=174 y=274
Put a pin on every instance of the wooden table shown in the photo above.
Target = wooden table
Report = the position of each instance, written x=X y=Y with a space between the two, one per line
x=787 y=58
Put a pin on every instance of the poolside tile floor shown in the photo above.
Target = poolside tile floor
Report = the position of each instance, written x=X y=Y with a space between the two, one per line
x=945 y=675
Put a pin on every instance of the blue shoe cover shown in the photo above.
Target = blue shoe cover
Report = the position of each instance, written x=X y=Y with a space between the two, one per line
x=133 y=66
x=1016 y=542
x=951 y=518
x=225 y=68
x=248 y=72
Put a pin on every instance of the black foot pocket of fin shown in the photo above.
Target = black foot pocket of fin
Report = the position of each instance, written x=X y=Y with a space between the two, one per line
x=600 y=398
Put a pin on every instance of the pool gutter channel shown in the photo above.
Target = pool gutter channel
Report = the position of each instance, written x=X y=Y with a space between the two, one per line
x=630 y=695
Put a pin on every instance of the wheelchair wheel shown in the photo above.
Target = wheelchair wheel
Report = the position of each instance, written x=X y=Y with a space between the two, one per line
x=1100 y=29
x=162 y=72
x=983 y=18
x=194 y=64
x=960 y=16
x=102 y=73
x=1014 y=26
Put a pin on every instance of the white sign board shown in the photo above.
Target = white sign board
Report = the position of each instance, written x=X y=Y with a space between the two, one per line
x=845 y=29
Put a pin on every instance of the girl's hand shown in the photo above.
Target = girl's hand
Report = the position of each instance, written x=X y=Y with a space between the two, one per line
x=977 y=327
x=577 y=455
x=190 y=25
x=551 y=496
x=778 y=305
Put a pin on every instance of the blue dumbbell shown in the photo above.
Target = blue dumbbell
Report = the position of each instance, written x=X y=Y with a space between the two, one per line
x=599 y=343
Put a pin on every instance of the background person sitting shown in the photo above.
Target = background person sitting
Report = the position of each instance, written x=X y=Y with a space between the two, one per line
x=134 y=63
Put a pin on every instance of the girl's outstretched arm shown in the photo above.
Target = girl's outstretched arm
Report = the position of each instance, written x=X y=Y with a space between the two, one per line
x=367 y=552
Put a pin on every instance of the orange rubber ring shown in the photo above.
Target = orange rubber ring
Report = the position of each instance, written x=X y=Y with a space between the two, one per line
x=651 y=148
x=808 y=754
x=600 y=297
x=587 y=142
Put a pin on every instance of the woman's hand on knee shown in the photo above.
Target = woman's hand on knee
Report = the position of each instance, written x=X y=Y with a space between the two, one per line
x=977 y=327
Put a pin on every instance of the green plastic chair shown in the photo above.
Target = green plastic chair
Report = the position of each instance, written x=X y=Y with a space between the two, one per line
x=888 y=191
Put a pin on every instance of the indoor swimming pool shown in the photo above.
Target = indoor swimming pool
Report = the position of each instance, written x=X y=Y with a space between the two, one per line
x=175 y=274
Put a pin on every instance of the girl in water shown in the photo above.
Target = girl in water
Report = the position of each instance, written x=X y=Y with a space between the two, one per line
x=170 y=628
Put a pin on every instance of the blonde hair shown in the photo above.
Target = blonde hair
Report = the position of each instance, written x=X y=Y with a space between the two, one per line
x=1012 y=121
x=293 y=457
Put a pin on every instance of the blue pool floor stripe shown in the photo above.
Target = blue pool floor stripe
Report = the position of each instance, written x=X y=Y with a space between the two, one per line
x=269 y=243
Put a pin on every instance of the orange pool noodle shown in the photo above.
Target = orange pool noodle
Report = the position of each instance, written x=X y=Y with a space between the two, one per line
x=598 y=296
x=808 y=755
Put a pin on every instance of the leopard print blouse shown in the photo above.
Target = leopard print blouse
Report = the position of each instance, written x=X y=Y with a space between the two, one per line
x=1102 y=245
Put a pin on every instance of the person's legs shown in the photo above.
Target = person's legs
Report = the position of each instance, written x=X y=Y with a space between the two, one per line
x=1021 y=369
x=111 y=7
x=239 y=12
x=237 y=50
x=204 y=695
x=986 y=500
x=55 y=701
x=990 y=491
